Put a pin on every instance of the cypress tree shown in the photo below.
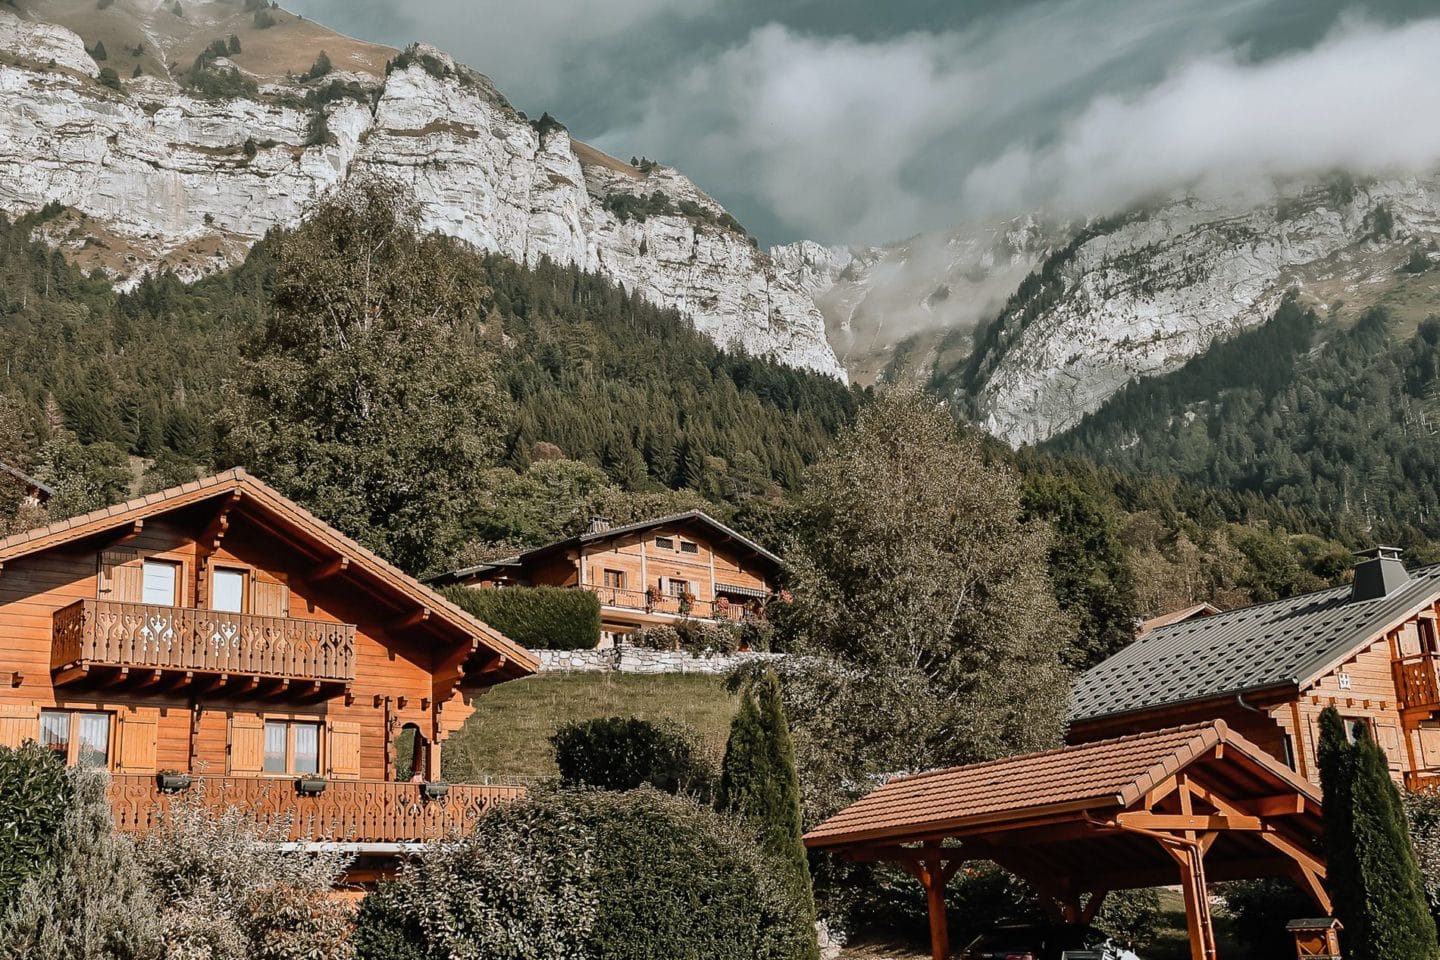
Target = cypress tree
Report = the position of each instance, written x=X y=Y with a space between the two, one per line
x=1373 y=876
x=758 y=781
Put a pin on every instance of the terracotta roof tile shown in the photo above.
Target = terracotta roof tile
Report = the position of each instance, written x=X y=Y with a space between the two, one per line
x=1107 y=773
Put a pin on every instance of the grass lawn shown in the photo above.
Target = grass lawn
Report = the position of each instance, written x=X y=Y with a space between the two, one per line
x=508 y=735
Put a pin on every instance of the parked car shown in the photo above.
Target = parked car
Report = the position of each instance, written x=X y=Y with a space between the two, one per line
x=1063 y=942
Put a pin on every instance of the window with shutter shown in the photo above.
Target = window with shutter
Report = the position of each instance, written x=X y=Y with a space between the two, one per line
x=247 y=744
x=344 y=750
x=122 y=576
x=18 y=722
x=139 y=735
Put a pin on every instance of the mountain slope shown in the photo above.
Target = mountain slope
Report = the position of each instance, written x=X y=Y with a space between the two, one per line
x=187 y=168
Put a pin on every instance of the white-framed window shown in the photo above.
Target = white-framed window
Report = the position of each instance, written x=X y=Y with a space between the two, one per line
x=227 y=590
x=161 y=583
x=292 y=746
x=80 y=737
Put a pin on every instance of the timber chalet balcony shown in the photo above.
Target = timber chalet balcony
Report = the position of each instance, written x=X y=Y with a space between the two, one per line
x=748 y=607
x=345 y=811
x=106 y=643
x=1417 y=681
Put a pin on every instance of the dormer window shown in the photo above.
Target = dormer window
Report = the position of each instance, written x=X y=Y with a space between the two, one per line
x=665 y=543
x=687 y=547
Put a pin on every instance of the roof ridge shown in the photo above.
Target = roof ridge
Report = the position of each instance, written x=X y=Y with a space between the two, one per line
x=980 y=764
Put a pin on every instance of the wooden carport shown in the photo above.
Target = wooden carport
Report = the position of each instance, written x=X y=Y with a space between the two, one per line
x=1187 y=804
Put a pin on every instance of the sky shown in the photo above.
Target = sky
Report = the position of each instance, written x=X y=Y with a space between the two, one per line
x=856 y=121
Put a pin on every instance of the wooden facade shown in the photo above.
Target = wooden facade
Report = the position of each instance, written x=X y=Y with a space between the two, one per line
x=648 y=573
x=218 y=630
x=1387 y=676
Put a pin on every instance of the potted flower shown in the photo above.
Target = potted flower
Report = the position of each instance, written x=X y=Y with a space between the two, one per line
x=687 y=602
x=652 y=596
x=435 y=790
x=172 y=781
x=311 y=785
x=722 y=608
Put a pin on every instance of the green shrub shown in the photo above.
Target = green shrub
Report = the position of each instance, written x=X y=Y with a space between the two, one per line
x=622 y=753
x=109 y=78
x=574 y=875
x=1259 y=910
x=705 y=637
x=34 y=793
x=540 y=618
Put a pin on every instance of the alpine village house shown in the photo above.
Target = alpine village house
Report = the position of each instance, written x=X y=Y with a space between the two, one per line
x=218 y=633
x=1369 y=649
x=648 y=573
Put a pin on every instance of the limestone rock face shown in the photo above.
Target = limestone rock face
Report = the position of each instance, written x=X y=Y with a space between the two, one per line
x=155 y=178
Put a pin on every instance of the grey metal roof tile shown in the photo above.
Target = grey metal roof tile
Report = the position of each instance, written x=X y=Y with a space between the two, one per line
x=1269 y=644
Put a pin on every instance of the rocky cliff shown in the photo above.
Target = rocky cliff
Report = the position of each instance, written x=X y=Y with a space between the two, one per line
x=1067 y=314
x=154 y=174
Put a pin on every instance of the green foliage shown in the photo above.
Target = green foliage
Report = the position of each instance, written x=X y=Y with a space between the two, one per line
x=34 y=794
x=539 y=618
x=250 y=148
x=99 y=52
x=639 y=206
x=215 y=81
x=1379 y=223
x=924 y=599
x=622 y=753
x=232 y=45
x=264 y=20
x=431 y=64
x=108 y=78
x=317 y=132
x=321 y=67
x=1087 y=563
x=759 y=782
x=1259 y=910
x=91 y=901
x=1372 y=871
x=704 y=638
x=365 y=395
x=576 y=875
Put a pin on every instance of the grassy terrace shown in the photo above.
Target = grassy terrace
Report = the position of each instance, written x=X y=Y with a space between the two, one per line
x=508 y=736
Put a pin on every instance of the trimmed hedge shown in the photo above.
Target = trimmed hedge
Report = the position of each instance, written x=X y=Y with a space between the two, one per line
x=582 y=875
x=622 y=753
x=539 y=618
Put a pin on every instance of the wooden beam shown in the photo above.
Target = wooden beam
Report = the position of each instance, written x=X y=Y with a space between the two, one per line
x=1284 y=805
x=1181 y=822
x=328 y=569
x=1196 y=893
x=412 y=619
x=1092 y=906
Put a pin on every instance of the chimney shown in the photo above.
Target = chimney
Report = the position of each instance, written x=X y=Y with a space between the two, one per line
x=598 y=525
x=1378 y=575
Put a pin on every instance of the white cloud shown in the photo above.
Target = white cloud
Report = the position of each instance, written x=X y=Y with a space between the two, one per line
x=1364 y=100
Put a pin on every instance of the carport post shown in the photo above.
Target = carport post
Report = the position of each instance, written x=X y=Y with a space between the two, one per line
x=933 y=877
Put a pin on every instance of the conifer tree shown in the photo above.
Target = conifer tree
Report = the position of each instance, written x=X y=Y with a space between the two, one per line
x=758 y=781
x=1374 y=878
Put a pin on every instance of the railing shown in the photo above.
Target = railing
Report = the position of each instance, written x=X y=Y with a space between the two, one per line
x=1423 y=781
x=674 y=606
x=1417 y=683
x=113 y=633
x=354 y=811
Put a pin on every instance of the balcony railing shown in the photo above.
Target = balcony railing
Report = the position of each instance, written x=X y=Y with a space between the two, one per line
x=674 y=606
x=350 y=811
x=112 y=633
x=1417 y=682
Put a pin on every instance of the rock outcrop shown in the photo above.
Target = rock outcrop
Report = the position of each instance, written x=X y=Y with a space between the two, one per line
x=154 y=176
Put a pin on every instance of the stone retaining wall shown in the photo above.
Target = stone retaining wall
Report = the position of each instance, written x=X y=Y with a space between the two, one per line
x=627 y=659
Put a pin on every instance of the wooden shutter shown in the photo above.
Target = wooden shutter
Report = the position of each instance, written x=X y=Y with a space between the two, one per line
x=269 y=598
x=247 y=744
x=138 y=736
x=344 y=749
x=122 y=576
x=18 y=722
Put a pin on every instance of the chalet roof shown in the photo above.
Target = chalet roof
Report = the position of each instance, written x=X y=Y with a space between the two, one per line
x=1194 y=611
x=26 y=479
x=253 y=494
x=1099 y=776
x=685 y=518
x=1285 y=643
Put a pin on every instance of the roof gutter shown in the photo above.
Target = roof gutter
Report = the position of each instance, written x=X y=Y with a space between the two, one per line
x=1189 y=702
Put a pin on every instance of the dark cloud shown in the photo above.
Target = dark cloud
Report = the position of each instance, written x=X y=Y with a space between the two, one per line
x=853 y=121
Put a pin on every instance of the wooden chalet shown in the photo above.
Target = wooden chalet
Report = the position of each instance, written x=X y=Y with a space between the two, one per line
x=647 y=573
x=1192 y=612
x=1184 y=805
x=1369 y=649
x=35 y=493
x=217 y=632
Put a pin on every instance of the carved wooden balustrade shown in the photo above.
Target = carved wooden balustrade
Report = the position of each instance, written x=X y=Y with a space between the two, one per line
x=1416 y=681
x=664 y=603
x=112 y=633
x=352 y=811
